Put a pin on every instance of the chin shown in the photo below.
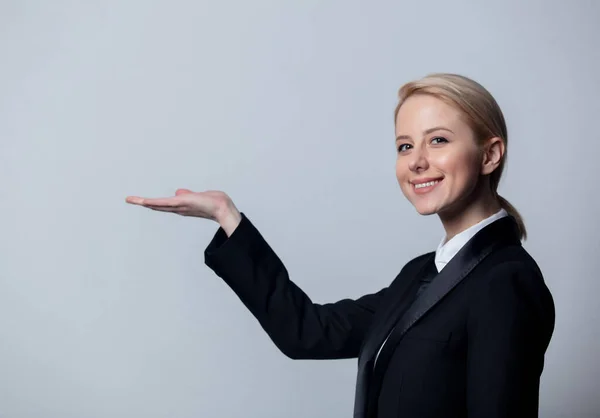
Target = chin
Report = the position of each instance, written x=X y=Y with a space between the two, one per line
x=426 y=211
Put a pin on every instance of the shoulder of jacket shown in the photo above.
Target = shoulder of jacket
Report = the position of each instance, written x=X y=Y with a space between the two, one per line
x=419 y=261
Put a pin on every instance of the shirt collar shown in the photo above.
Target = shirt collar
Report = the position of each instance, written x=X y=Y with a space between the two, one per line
x=447 y=250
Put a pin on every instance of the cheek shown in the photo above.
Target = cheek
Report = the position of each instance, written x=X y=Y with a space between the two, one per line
x=461 y=167
x=402 y=175
x=400 y=170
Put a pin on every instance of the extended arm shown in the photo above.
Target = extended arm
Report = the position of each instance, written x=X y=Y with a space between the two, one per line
x=297 y=326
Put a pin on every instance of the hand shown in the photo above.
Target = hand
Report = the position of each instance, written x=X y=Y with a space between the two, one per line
x=211 y=204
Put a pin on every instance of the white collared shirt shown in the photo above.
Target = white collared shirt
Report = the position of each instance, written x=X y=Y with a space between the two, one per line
x=447 y=250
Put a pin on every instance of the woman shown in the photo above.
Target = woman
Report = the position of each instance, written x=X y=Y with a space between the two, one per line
x=461 y=331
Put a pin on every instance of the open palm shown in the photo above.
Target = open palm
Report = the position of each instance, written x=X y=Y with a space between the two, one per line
x=208 y=204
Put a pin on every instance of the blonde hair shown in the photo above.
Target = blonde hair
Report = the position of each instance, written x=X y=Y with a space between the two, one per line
x=481 y=112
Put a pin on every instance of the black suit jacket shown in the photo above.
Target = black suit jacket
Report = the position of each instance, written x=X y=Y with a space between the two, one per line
x=471 y=345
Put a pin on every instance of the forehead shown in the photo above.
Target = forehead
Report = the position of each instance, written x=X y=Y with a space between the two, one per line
x=421 y=112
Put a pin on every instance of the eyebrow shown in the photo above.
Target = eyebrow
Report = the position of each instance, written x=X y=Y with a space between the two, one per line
x=426 y=132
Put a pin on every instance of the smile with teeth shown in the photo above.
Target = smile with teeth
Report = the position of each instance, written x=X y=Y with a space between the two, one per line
x=429 y=183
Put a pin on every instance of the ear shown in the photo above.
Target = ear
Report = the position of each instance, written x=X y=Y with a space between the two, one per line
x=493 y=152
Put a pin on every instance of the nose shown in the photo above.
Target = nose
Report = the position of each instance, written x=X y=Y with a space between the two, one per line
x=418 y=160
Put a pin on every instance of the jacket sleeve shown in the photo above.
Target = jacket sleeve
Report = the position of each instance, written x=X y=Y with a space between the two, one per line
x=510 y=324
x=300 y=328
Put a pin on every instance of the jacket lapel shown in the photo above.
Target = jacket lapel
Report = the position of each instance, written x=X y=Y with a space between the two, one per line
x=400 y=290
x=399 y=300
x=501 y=232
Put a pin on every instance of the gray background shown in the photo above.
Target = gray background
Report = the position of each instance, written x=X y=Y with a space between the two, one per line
x=107 y=310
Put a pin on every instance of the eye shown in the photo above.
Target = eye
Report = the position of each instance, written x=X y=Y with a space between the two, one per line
x=403 y=147
x=438 y=140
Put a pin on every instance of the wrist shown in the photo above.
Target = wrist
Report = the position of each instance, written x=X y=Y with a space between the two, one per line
x=229 y=217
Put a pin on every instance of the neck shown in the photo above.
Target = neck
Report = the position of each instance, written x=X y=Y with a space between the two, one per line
x=475 y=211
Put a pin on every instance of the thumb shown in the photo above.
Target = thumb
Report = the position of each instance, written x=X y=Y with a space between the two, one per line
x=182 y=191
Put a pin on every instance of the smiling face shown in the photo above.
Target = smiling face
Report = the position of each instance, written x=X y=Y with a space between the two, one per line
x=439 y=163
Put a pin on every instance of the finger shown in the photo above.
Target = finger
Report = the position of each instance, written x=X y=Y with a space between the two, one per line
x=182 y=191
x=134 y=200
x=167 y=202
x=163 y=209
